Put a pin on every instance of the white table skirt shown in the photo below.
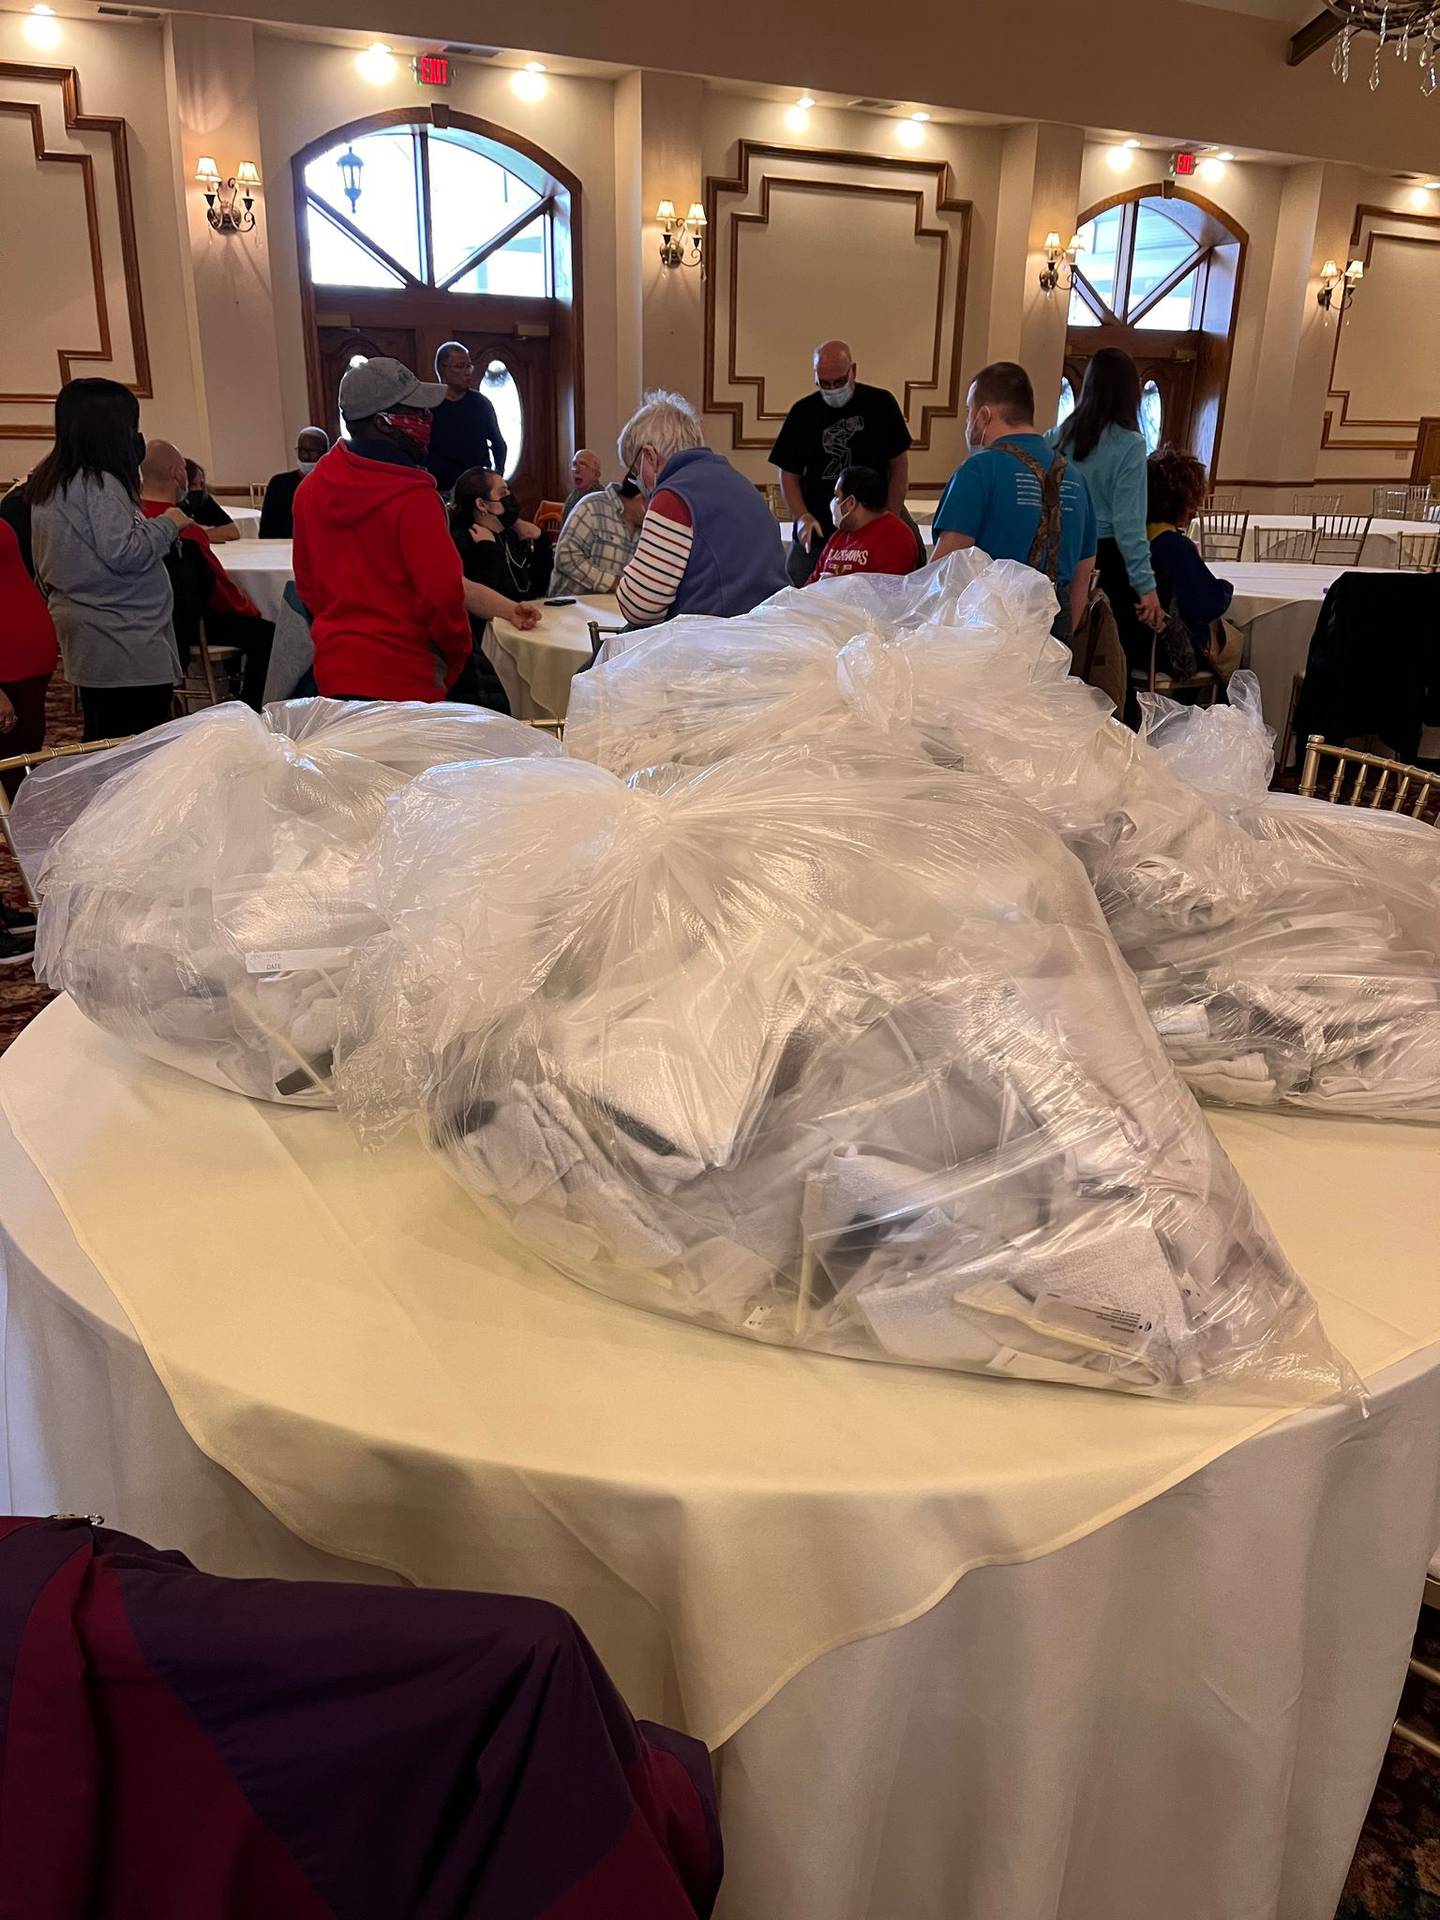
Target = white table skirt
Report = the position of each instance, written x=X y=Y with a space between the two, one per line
x=247 y=519
x=261 y=567
x=1182 y=1713
x=536 y=668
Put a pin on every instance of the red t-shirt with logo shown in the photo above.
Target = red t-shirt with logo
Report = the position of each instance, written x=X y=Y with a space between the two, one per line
x=887 y=545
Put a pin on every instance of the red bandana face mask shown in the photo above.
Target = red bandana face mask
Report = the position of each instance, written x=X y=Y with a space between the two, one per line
x=414 y=426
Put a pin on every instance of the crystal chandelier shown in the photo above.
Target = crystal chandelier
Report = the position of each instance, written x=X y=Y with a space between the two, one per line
x=1400 y=24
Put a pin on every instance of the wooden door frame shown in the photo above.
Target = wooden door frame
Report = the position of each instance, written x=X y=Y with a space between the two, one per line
x=564 y=314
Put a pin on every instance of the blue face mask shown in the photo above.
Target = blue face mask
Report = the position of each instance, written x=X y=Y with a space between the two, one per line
x=838 y=396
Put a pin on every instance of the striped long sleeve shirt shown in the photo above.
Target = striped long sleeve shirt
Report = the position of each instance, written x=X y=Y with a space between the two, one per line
x=650 y=582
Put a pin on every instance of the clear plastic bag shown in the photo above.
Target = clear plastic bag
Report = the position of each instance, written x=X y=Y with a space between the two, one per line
x=829 y=1048
x=210 y=882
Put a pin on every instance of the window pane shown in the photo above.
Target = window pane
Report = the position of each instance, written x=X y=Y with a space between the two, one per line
x=500 y=390
x=1067 y=402
x=356 y=360
x=388 y=209
x=520 y=267
x=1099 y=240
x=1152 y=415
x=1161 y=246
x=1081 y=314
x=1177 y=309
x=471 y=198
x=338 y=261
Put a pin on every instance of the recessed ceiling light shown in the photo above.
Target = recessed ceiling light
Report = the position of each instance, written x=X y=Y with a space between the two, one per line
x=1212 y=169
x=1226 y=155
x=909 y=133
x=919 y=116
x=797 y=119
x=1132 y=142
x=534 y=66
x=41 y=28
x=1432 y=186
x=529 y=84
x=376 y=64
x=805 y=102
x=1120 y=159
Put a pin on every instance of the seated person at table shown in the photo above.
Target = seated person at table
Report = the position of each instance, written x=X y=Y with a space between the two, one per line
x=1017 y=499
x=203 y=591
x=506 y=558
x=202 y=508
x=374 y=561
x=277 y=509
x=709 y=543
x=867 y=538
x=15 y=510
x=598 y=539
x=585 y=477
x=464 y=429
x=1177 y=484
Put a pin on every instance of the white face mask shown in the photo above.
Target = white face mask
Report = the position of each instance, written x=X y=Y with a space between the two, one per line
x=836 y=516
x=307 y=466
x=838 y=396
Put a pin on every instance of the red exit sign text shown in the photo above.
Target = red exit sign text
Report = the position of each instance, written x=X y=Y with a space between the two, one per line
x=432 y=69
x=1182 y=165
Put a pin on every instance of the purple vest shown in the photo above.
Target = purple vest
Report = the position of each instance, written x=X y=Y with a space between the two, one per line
x=736 y=556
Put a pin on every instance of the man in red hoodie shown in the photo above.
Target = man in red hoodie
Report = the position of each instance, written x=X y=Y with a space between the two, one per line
x=374 y=561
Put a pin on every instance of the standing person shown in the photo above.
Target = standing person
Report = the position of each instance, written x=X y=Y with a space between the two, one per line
x=867 y=538
x=708 y=544
x=374 y=561
x=464 y=432
x=841 y=424
x=1103 y=443
x=1015 y=497
x=505 y=559
x=203 y=508
x=585 y=477
x=101 y=564
x=277 y=509
x=598 y=539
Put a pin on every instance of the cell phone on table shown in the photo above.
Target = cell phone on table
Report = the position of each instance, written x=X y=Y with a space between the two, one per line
x=565 y=600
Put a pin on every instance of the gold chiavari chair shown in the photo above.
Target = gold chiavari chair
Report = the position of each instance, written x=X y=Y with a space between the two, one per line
x=557 y=727
x=1313 y=503
x=1222 y=503
x=1408 y=781
x=1285 y=543
x=1390 y=503
x=1418 y=552
x=210 y=677
x=24 y=763
x=1340 y=538
x=1222 y=533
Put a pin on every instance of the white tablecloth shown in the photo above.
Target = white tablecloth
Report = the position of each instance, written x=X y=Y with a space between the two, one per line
x=247 y=519
x=1276 y=606
x=261 y=567
x=1183 y=1679
x=1382 y=543
x=536 y=668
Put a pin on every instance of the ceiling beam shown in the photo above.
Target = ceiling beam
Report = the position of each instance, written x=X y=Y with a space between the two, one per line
x=1314 y=35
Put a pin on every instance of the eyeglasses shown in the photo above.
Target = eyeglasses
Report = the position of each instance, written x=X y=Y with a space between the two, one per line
x=834 y=386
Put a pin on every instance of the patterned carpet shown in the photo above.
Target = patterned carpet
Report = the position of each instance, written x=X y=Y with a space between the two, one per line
x=1396 y=1871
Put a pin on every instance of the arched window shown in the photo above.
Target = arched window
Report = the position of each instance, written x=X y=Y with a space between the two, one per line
x=421 y=206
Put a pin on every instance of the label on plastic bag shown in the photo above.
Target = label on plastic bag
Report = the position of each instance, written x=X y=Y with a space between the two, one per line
x=295 y=959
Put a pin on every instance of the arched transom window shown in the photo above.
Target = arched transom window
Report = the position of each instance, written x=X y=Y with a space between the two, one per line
x=1139 y=265
x=419 y=206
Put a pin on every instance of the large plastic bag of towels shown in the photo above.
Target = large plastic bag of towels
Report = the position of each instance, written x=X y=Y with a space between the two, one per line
x=831 y=1049
x=204 y=899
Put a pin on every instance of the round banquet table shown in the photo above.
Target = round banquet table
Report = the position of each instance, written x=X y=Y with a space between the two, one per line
x=1382 y=541
x=1276 y=606
x=536 y=668
x=261 y=567
x=1163 y=1684
x=247 y=519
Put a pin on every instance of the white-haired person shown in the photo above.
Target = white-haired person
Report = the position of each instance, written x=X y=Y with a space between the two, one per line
x=708 y=543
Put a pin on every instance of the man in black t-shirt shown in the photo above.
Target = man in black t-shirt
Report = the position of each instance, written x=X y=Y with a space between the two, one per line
x=464 y=431
x=842 y=424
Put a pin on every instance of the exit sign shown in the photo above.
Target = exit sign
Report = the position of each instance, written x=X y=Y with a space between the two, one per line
x=1182 y=166
x=432 y=69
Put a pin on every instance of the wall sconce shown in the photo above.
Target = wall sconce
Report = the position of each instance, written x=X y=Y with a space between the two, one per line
x=229 y=204
x=683 y=244
x=1058 y=258
x=1337 y=289
x=351 y=167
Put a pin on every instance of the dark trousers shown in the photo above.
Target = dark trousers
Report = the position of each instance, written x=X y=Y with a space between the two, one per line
x=111 y=713
x=479 y=685
x=1135 y=636
x=254 y=637
x=28 y=733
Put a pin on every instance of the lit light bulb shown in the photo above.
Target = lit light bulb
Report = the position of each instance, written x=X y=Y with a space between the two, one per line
x=1120 y=159
x=376 y=64
x=529 y=84
x=41 y=28
x=910 y=133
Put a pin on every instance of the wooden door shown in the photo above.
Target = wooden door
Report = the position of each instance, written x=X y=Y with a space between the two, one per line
x=525 y=359
x=340 y=346
x=1427 y=449
x=1167 y=360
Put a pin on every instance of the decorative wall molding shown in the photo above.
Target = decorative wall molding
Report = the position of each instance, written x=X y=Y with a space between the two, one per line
x=747 y=203
x=67 y=79
x=1365 y=231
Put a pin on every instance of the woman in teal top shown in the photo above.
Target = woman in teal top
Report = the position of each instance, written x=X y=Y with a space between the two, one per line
x=1103 y=443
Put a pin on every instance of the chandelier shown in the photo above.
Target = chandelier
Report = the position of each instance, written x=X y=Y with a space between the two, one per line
x=1401 y=24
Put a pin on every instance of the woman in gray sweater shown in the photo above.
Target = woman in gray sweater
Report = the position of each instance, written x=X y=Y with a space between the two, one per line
x=101 y=563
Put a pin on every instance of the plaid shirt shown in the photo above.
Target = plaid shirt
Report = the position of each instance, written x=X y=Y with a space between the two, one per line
x=594 y=545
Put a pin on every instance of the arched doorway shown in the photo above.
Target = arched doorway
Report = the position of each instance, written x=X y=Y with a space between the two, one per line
x=423 y=224
x=1159 y=275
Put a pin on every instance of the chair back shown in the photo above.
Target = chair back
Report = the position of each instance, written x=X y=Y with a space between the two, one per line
x=1222 y=502
x=1419 y=499
x=1222 y=533
x=1285 y=543
x=1370 y=775
x=1418 y=552
x=210 y=674
x=550 y=516
x=1391 y=503
x=1314 y=503
x=1099 y=658
x=1340 y=538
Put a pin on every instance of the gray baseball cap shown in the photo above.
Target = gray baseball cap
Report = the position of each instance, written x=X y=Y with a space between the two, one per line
x=377 y=385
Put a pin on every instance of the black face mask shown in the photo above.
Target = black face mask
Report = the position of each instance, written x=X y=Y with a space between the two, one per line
x=508 y=511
